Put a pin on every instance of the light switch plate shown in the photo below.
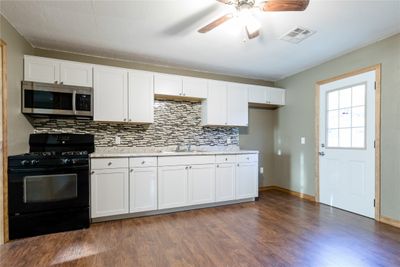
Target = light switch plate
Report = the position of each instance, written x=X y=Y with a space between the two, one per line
x=261 y=170
x=302 y=140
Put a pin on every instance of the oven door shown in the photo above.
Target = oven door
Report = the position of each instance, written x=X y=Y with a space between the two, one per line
x=46 y=189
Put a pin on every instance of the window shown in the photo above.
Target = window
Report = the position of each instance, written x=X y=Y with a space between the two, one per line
x=346 y=125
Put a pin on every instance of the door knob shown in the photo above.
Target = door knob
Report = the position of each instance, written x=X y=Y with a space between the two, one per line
x=321 y=153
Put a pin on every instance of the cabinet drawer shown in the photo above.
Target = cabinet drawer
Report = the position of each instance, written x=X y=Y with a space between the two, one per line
x=225 y=158
x=247 y=158
x=143 y=162
x=109 y=163
x=185 y=160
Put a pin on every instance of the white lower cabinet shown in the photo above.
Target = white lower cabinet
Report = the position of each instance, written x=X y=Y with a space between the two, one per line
x=246 y=180
x=109 y=192
x=201 y=184
x=143 y=189
x=225 y=182
x=172 y=186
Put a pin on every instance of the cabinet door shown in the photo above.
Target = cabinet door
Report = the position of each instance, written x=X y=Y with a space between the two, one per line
x=170 y=85
x=276 y=96
x=38 y=69
x=201 y=184
x=141 y=97
x=143 y=189
x=110 y=94
x=257 y=94
x=225 y=182
x=172 y=187
x=194 y=87
x=215 y=107
x=109 y=192
x=246 y=180
x=237 y=104
x=74 y=73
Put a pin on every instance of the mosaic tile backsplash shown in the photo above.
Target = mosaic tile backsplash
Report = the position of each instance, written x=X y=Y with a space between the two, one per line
x=175 y=122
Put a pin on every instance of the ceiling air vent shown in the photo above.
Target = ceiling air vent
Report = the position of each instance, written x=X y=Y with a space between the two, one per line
x=297 y=35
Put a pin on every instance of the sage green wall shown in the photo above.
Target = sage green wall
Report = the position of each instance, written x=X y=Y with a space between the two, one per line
x=260 y=136
x=18 y=126
x=295 y=168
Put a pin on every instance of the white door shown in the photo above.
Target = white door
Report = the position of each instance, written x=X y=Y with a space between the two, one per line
x=143 y=189
x=75 y=73
x=246 y=180
x=194 y=87
x=38 y=69
x=110 y=94
x=172 y=186
x=109 y=192
x=141 y=97
x=346 y=144
x=214 y=111
x=201 y=184
x=225 y=182
x=165 y=84
x=237 y=104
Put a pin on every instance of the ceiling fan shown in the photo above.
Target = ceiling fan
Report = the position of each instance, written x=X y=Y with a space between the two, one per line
x=243 y=12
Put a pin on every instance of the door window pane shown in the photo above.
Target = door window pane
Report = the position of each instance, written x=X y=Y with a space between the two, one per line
x=333 y=119
x=345 y=137
x=346 y=121
x=333 y=100
x=345 y=98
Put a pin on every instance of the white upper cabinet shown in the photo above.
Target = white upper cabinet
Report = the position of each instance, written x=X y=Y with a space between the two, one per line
x=276 y=96
x=179 y=86
x=226 y=105
x=194 y=87
x=266 y=95
x=38 y=69
x=214 y=111
x=48 y=70
x=74 y=73
x=237 y=104
x=257 y=94
x=110 y=94
x=168 y=85
x=141 y=97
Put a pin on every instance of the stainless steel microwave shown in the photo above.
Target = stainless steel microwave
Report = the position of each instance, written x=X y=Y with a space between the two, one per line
x=56 y=100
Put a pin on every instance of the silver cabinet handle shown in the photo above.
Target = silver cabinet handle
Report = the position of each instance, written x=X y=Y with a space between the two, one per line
x=131 y=170
x=321 y=153
x=124 y=119
x=130 y=119
x=238 y=164
x=109 y=164
x=226 y=159
x=190 y=167
x=248 y=158
x=61 y=82
x=73 y=101
x=56 y=82
x=143 y=162
x=186 y=167
x=92 y=172
x=217 y=165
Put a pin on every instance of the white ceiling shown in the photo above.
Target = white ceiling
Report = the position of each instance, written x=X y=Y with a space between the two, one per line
x=164 y=32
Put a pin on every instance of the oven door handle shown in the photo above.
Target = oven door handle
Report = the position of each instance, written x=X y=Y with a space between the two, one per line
x=48 y=170
x=74 y=102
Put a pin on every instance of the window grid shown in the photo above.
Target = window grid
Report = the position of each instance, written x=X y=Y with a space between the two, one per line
x=350 y=128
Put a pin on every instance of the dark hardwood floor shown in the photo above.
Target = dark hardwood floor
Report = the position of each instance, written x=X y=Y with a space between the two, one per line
x=278 y=230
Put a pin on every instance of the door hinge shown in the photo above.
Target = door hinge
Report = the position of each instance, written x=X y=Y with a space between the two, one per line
x=375 y=85
x=374 y=143
x=374 y=202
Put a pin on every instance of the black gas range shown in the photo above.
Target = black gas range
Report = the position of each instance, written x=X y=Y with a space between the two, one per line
x=48 y=188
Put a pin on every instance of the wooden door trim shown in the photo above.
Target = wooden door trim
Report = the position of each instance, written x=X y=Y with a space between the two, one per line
x=377 y=69
x=4 y=183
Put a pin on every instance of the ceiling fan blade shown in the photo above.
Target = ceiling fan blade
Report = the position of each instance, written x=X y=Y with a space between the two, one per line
x=251 y=34
x=216 y=23
x=225 y=1
x=284 y=5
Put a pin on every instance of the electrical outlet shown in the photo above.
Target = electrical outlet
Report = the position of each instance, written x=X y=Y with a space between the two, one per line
x=228 y=141
x=302 y=140
x=261 y=170
x=117 y=140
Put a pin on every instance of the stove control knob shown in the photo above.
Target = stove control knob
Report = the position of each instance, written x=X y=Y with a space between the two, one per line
x=66 y=161
x=34 y=162
x=25 y=162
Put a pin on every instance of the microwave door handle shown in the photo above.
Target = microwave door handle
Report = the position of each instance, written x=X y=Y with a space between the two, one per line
x=74 y=102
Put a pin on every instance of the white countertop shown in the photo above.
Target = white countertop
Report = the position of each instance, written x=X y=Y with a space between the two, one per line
x=118 y=152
